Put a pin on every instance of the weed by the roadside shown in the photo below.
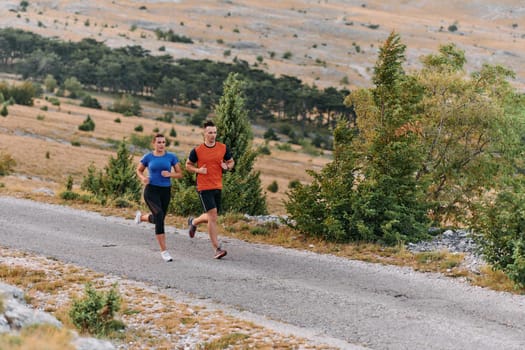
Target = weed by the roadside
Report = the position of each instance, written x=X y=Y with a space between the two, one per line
x=223 y=342
x=95 y=312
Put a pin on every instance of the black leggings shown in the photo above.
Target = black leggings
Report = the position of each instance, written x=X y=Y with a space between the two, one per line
x=158 y=200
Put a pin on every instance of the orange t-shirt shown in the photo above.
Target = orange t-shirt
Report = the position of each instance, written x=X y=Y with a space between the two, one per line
x=212 y=158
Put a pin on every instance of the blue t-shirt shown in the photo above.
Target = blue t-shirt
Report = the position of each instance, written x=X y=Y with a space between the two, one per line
x=156 y=164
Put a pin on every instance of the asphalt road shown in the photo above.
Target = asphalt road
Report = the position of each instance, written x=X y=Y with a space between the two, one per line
x=354 y=303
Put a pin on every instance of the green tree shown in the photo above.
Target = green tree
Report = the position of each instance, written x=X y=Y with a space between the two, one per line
x=87 y=125
x=4 y=112
x=73 y=86
x=369 y=191
x=242 y=188
x=92 y=182
x=120 y=179
x=472 y=131
x=50 y=83
x=433 y=145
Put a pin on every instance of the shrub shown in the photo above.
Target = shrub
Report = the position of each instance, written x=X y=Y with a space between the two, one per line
x=4 y=112
x=6 y=164
x=185 y=200
x=118 y=180
x=139 y=128
x=264 y=149
x=87 y=125
x=294 y=184
x=127 y=105
x=69 y=195
x=259 y=231
x=452 y=28
x=90 y=102
x=92 y=182
x=95 y=312
x=69 y=183
x=270 y=135
x=499 y=231
x=273 y=187
x=54 y=101
x=142 y=141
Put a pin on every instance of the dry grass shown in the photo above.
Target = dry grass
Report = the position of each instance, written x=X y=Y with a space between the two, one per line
x=45 y=155
x=38 y=337
x=153 y=319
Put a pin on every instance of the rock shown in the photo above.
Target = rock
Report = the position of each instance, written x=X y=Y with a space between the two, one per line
x=17 y=315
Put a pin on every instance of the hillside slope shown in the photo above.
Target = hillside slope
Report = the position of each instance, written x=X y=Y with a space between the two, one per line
x=328 y=39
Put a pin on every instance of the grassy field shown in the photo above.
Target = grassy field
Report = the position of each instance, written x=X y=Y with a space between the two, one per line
x=41 y=142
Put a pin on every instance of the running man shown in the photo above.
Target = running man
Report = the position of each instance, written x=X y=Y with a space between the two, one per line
x=208 y=161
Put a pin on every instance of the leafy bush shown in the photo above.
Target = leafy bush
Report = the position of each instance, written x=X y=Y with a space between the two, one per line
x=500 y=232
x=294 y=184
x=273 y=187
x=54 y=101
x=69 y=183
x=270 y=135
x=185 y=200
x=259 y=231
x=142 y=141
x=90 y=102
x=119 y=180
x=264 y=149
x=22 y=94
x=69 y=195
x=4 y=112
x=6 y=164
x=87 y=125
x=95 y=312
x=127 y=105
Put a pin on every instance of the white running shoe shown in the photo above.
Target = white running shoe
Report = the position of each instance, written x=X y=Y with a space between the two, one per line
x=166 y=256
x=138 y=215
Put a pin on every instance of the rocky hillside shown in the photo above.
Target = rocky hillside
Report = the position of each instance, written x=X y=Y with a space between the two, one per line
x=324 y=42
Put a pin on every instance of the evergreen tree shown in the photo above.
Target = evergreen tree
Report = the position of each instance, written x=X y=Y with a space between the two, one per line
x=369 y=192
x=120 y=180
x=242 y=188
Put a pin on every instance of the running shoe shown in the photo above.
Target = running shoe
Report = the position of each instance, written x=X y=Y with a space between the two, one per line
x=166 y=256
x=138 y=215
x=219 y=253
x=192 y=228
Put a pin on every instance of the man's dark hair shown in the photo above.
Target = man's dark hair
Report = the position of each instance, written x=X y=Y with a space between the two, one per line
x=207 y=123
